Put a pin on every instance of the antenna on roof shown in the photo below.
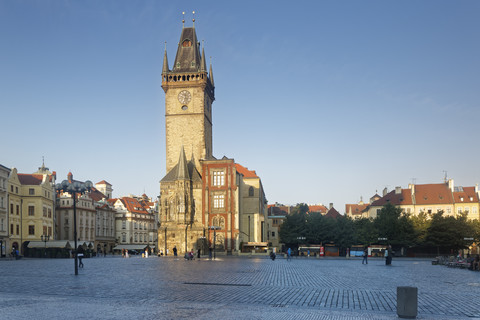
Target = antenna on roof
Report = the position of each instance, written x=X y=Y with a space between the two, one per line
x=193 y=20
x=445 y=178
x=414 y=180
x=183 y=19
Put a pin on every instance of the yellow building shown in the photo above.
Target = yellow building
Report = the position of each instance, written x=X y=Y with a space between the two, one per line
x=431 y=198
x=31 y=207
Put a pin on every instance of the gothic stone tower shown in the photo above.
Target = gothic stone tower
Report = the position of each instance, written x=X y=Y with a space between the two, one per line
x=189 y=93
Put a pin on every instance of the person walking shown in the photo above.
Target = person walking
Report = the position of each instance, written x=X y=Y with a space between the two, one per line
x=289 y=254
x=365 y=256
x=80 y=254
x=386 y=256
x=175 y=251
x=389 y=256
x=198 y=253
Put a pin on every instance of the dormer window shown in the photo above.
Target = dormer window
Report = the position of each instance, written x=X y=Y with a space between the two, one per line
x=186 y=43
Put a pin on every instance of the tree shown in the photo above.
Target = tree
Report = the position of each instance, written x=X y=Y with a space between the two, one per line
x=294 y=225
x=365 y=232
x=421 y=223
x=392 y=224
x=448 y=233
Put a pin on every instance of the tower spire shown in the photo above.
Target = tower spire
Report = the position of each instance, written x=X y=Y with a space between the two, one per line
x=203 y=63
x=182 y=171
x=210 y=73
x=165 y=60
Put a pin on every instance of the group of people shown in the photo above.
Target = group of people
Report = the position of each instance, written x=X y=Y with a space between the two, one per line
x=125 y=253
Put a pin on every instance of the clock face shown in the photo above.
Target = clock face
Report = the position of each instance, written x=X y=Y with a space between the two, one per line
x=184 y=97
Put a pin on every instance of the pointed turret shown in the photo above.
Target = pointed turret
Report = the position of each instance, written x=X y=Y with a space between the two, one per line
x=165 y=62
x=182 y=169
x=203 y=63
x=188 y=58
x=210 y=75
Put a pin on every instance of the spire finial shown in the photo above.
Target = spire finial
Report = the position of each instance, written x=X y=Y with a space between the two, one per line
x=43 y=161
x=193 y=20
x=183 y=19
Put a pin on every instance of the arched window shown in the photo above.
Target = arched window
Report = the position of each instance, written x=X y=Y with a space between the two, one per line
x=215 y=221
x=222 y=223
x=250 y=192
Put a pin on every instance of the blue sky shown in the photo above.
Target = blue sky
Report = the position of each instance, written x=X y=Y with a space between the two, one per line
x=327 y=100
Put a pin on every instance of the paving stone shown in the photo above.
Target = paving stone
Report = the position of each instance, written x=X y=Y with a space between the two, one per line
x=232 y=287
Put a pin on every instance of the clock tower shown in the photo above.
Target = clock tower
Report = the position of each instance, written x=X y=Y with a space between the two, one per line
x=189 y=94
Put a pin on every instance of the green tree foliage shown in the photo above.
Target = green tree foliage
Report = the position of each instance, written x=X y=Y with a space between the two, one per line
x=365 y=232
x=294 y=225
x=421 y=223
x=449 y=232
x=392 y=224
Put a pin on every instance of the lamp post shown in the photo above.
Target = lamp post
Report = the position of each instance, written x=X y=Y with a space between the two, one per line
x=74 y=188
x=214 y=228
x=45 y=238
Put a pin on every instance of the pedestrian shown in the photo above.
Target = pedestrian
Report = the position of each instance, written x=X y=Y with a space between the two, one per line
x=210 y=253
x=146 y=253
x=348 y=253
x=289 y=254
x=126 y=253
x=308 y=253
x=166 y=252
x=389 y=255
x=198 y=253
x=365 y=256
x=386 y=256
x=175 y=251
x=80 y=254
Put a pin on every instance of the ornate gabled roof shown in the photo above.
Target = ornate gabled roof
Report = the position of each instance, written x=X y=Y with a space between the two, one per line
x=183 y=170
x=188 y=58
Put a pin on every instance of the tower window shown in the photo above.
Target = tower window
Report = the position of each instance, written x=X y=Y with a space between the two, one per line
x=218 y=178
x=186 y=43
x=184 y=108
x=218 y=201
x=250 y=192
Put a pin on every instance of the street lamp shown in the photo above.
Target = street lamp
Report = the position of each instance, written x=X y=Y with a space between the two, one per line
x=214 y=228
x=45 y=238
x=75 y=188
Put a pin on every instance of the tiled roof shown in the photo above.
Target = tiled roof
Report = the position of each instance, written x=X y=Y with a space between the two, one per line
x=277 y=211
x=355 y=208
x=96 y=195
x=332 y=213
x=318 y=208
x=133 y=205
x=403 y=198
x=30 y=179
x=433 y=194
x=103 y=182
x=246 y=173
x=465 y=195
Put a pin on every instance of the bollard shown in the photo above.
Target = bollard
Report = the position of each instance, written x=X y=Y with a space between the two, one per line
x=407 y=302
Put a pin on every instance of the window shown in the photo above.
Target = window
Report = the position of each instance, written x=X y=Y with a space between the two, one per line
x=31 y=230
x=11 y=228
x=31 y=191
x=11 y=188
x=136 y=237
x=18 y=229
x=2 y=204
x=474 y=209
x=11 y=208
x=218 y=178
x=44 y=211
x=273 y=233
x=186 y=43
x=50 y=231
x=145 y=238
x=16 y=190
x=467 y=209
x=66 y=221
x=31 y=210
x=135 y=226
x=45 y=230
x=449 y=210
x=124 y=224
x=2 y=225
x=251 y=192
x=459 y=210
x=218 y=201
x=49 y=212
x=429 y=210
x=18 y=210
x=124 y=237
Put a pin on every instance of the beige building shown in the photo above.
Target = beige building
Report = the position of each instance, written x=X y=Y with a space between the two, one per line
x=134 y=223
x=431 y=198
x=4 y=173
x=276 y=215
x=31 y=207
x=85 y=214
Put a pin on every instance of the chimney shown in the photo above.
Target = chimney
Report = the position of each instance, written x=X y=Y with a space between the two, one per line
x=451 y=185
x=330 y=206
x=70 y=177
x=385 y=191
x=398 y=190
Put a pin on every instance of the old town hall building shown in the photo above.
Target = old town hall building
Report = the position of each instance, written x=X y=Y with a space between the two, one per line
x=205 y=202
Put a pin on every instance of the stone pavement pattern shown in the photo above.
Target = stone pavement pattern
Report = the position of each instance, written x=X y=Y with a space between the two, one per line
x=232 y=288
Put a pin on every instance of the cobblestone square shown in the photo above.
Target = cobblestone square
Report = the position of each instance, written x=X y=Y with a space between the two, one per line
x=232 y=288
